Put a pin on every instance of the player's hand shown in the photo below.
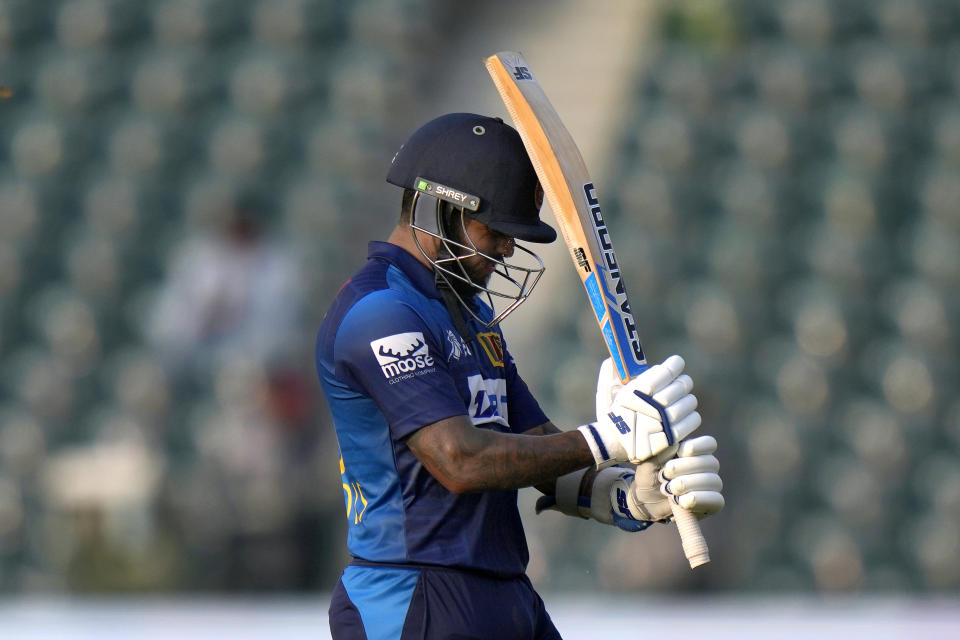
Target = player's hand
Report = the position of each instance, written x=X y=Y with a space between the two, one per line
x=596 y=501
x=649 y=414
x=691 y=480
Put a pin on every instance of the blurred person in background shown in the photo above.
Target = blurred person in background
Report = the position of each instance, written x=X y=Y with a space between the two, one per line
x=227 y=325
x=438 y=431
x=231 y=293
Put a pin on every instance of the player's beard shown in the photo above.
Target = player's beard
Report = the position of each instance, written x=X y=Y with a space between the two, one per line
x=475 y=267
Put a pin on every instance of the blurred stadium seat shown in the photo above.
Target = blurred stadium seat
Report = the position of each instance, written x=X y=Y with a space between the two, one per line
x=790 y=79
x=918 y=310
x=20 y=210
x=934 y=251
x=862 y=140
x=667 y=142
x=172 y=82
x=872 y=431
x=763 y=139
x=889 y=80
x=196 y=23
x=907 y=22
x=295 y=23
x=939 y=195
x=808 y=23
x=10 y=270
x=92 y=265
x=945 y=134
x=41 y=383
x=142 y=145
x=97 y=24
x=241 y=146
x=821 y=320
x=111 y=206
x=44 y=147
x=77 y=82
x=21 y=21
x=269 y=86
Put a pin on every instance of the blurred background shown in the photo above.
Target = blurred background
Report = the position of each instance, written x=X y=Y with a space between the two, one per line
x=185 y=184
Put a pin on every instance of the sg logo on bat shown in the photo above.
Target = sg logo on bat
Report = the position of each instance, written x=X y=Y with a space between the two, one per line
x=522 y=73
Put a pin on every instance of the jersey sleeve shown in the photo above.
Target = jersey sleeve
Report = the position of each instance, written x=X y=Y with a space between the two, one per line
x=386 y=350
x=524 y=412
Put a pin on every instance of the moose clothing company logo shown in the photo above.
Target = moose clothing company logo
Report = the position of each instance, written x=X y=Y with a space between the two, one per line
x=403 y=353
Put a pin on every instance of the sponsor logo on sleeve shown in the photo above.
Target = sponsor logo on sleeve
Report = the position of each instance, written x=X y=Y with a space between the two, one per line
x=402 y=353
x=458 y=348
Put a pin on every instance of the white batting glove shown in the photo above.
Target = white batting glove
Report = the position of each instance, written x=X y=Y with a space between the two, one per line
x=608 y=385
x=597 y=501
x=650 y=413
x=690 y=480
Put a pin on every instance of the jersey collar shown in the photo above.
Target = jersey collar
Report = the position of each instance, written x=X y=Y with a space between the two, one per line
x=419 y=274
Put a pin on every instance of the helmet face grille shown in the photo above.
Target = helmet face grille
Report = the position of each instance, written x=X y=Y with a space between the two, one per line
x=511 y=281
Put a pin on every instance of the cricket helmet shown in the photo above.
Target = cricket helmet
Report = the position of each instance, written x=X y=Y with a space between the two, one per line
x=477 y=163
x=466 y=165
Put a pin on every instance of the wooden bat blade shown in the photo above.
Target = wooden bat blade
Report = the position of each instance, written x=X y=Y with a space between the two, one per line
x=573 y=199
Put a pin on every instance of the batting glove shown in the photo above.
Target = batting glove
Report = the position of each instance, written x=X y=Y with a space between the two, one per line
x=690 y=480
x=595 y=501
x=650 y=413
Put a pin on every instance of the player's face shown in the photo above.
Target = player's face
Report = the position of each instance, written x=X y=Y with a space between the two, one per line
x=489 y=242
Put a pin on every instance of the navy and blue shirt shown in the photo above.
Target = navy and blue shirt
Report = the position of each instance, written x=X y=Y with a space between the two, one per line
x=391 y=361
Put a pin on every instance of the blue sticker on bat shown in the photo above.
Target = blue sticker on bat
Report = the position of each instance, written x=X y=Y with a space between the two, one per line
x=596 y=298
x=614 y=350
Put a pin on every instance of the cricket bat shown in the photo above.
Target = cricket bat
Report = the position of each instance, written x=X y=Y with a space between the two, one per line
x=573 y=199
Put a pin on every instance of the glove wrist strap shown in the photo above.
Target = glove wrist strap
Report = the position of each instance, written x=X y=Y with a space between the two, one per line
x=599 y=450
x=567 y=493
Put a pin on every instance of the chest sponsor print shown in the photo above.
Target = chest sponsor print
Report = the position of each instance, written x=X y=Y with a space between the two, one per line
x=488 y=400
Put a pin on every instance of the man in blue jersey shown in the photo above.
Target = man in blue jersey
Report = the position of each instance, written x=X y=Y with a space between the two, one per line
x=436 y=428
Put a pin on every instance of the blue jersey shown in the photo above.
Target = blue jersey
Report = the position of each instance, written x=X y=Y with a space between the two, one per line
x=391 y=361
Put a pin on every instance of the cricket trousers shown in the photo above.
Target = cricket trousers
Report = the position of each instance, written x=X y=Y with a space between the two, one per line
x=397 y=602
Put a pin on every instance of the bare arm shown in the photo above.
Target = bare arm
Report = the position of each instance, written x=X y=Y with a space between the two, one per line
x=464 y=458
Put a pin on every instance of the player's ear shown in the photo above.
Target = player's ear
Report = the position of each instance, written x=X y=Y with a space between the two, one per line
x=406 y=206
x=451 y=221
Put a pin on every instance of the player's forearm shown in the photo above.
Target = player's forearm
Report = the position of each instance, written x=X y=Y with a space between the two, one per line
x=471 y=459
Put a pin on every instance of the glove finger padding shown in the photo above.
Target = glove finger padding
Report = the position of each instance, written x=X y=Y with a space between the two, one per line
x=691 y=480
x=694 y=482
x=702 y=503
x=659 y=376
x=674 y=391
x=686 y=425
x=686 y=466
x=681 y=408
x=697 y=446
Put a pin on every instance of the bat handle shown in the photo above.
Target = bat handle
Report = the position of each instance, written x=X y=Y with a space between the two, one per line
x=694 y=544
